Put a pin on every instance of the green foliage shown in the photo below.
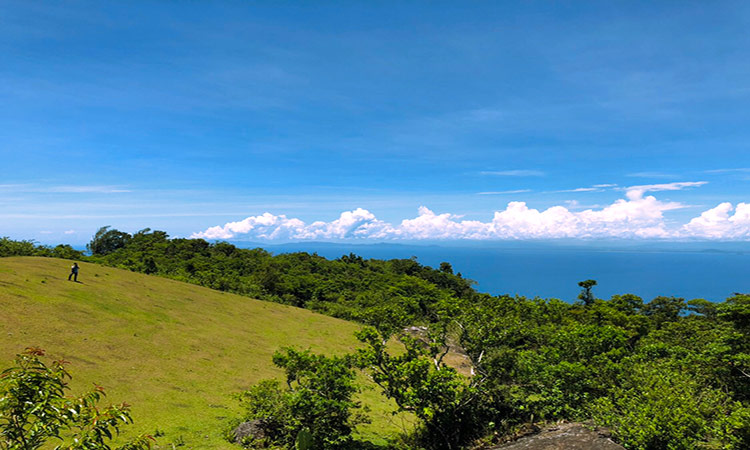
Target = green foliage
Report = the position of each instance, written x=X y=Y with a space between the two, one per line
x=418 y=380
x=34 y=410
x=304 y=440
x=586 y=296
x=317 y=401
x=626 y=303
x=549 y=360
x=65 y=252
x=736 y=311
x=662 y=406
x=106 y=241
x=10 y=247
x=665 y=309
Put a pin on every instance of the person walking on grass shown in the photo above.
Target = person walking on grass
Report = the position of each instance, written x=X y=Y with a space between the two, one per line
x=74 y=272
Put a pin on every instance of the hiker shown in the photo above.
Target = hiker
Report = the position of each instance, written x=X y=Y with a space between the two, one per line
x=74 y=272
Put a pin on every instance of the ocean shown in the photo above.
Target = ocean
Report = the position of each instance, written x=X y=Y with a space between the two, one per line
x=554 y=271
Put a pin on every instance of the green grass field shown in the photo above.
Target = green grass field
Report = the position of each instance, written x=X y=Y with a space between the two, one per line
x=174 y=351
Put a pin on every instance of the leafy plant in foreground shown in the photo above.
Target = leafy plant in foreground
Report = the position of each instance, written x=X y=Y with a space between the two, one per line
x=34 y=410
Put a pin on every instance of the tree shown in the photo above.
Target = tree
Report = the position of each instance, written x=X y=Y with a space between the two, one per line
x=586 y=295
x=446 y=403
x=627 y=303
x=106 y=241
x=66 y=252
x=34 y=410
x=664 y=309
x=9 y=247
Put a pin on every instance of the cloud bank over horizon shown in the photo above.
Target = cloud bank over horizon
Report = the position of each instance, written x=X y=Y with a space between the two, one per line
x=637 y=216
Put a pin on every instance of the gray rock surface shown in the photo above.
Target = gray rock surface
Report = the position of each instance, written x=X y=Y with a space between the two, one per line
x=564 y=436
x=252 y=430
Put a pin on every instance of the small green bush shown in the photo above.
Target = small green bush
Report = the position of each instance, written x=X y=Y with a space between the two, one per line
x=317 y=397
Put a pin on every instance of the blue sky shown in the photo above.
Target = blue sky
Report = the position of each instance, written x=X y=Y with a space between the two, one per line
x=375 y=120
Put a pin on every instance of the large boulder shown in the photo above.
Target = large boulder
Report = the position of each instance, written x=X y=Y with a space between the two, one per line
x=251 y=431
x=564 y=436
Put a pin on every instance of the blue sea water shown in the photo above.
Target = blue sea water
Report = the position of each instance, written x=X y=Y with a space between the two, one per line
x=554 y=272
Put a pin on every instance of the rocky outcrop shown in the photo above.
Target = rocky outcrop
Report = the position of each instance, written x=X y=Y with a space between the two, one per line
x=564 y=436
x=254 y=430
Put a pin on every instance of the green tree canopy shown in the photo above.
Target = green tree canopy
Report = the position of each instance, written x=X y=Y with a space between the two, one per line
x=106 y=241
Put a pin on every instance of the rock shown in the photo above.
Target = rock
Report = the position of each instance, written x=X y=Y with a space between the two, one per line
x=564 y=436
x=254 y=430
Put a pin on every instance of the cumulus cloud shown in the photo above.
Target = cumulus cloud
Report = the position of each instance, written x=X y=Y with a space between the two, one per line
x=719 y=223
x=636 y=216
x=428 y=225
x=359 y=223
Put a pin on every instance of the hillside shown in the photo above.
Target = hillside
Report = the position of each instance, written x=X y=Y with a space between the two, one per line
x=175 y=351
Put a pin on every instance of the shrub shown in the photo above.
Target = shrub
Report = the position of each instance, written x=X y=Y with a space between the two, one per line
x=317 y=397
x=9 y=247
x=447 y=404
x=660 y=406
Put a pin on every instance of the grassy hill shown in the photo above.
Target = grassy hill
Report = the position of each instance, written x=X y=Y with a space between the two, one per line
x=175 y=351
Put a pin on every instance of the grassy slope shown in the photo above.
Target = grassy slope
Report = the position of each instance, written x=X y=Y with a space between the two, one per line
x=173 y=350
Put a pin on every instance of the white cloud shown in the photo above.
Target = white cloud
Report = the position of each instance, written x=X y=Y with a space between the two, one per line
x=86 y=189
x=359 y=223
x=67 y=189
x=638 y=191
x=69 y=231
x=588 y=189
x=594 y=188
x=717 y=223
x=635 y=216
x=428 y=225
x=732 y=170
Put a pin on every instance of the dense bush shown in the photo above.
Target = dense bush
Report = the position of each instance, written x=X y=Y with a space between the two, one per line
x=660 y=405
x=317 y=399
x=10 y=247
